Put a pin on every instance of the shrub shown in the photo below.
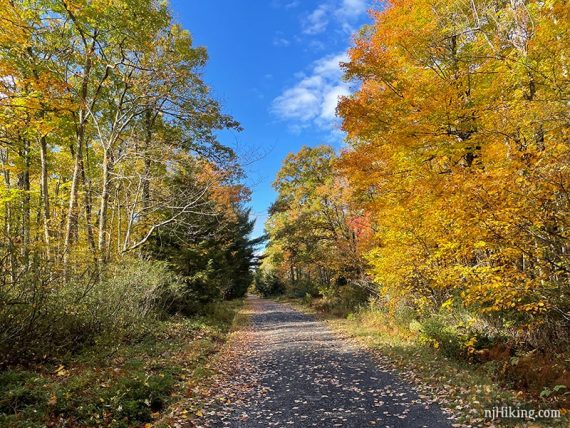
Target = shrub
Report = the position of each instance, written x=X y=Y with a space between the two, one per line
x=42 y=317
x=343 y=300
x=220 y=313
x=446 y=337
x=268 y=284
x=301 y=288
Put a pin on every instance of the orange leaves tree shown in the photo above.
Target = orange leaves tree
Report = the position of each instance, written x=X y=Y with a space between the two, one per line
x=459 y=152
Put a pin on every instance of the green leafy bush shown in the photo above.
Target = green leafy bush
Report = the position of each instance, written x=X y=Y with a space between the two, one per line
x=342 y=300
x=267 y=284
x=301 y=288
x=51 y=318
x=449 y=339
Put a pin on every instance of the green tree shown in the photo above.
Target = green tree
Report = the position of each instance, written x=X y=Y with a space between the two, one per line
x=312 y=229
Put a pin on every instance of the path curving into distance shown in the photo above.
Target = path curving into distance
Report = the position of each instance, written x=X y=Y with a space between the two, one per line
x=301 y=374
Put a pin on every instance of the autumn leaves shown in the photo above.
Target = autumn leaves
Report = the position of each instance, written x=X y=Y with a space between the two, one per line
x=457 y=166
x=107 y=130
x=109 y=156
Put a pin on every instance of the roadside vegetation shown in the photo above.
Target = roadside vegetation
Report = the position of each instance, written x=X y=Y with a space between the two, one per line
x=125 y=232
x=127 y=383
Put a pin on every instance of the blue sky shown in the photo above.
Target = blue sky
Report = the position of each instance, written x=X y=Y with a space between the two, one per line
x=274 y=67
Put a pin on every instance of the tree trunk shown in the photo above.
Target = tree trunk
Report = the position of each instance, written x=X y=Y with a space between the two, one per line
x=24 y=186
x=8 y=218
x=71 y=222
x=88 y=205
x=72 y=217
x=147 y=160
x=45 y=195
x=102 y=242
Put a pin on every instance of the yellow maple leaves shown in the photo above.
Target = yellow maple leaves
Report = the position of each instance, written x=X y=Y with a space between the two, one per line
x=459 y=151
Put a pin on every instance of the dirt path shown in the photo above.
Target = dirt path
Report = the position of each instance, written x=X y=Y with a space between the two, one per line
x=297 y=373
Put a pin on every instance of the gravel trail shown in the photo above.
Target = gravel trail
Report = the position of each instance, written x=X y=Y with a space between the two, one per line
x=293 y=371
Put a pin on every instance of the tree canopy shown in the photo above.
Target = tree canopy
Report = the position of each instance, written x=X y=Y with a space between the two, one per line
x=456 y=169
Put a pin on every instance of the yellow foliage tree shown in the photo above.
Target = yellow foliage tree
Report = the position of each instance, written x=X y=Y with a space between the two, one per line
x=459 y=138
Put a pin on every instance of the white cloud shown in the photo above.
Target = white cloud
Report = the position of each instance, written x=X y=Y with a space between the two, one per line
x=313 y=99
x=317 y=21
x=330 y=101
x=281 y=42
x=285 y=4
x=329 y=66
x=300 y=102
x=316 y=46
x=353 y=8
x=341 y=12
